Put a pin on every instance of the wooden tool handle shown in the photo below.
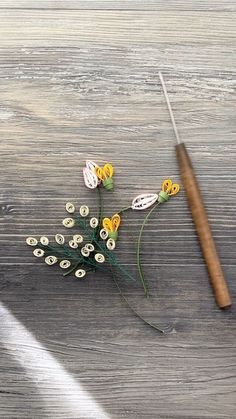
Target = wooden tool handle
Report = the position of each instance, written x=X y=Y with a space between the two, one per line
x=200 y=219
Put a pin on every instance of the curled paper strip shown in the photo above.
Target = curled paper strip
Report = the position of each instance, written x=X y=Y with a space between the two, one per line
x=38 y=253
x=78 y=238
x=60 y=239
x=111 y=244
x=73 y=244
x=80 y=273
x=64 y=264
x=70 y=207
x=90 y=178
x=44 y=240
x=90 y=247
x=84 y=211
x=103 y=234
x=93 y=222
x=144 y=201
x=85 y=252
x=99 y=257
x=51 y=260
x=31 y=241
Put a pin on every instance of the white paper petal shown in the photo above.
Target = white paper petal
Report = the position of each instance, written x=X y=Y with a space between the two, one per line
x=90 y=179
x=144 y=201
x=91 y=165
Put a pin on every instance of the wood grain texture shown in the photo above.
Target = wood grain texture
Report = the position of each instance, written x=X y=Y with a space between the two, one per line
x=80 y=80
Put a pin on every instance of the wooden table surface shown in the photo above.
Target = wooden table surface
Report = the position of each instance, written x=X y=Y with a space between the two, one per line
x=78 y=80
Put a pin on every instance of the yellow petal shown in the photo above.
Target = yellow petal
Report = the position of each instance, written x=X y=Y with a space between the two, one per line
x=100 y=173
x=166 y=186
x=108 y=170
x=174 y=189
x=115 y=222
x=107 y=224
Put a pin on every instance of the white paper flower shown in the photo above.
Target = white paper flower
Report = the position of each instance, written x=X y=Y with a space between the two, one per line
x=99 y=258
x=38 y=253
x=144 y=201
x=68 y=222
x=73 y=244
x=80 y=273
x=44 y=240
x=64 y=264
x=111 y=244
x=31 y=241
x=60 y=239
x=90 y=247
x=92 y=166
x=70 y=208
x=85 y=252
x=103 y=234
x=84 y=211
x=93 y=222
x=90 y=178
x=51 y=260
x=78 y=238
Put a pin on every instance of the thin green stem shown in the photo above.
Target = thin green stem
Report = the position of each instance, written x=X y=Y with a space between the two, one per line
x=124 y=209
x=154 y=326
x=138 y=257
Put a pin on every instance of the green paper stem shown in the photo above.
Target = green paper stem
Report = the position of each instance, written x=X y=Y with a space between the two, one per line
x=138 y=257
x=152 y=325
x=124 y=209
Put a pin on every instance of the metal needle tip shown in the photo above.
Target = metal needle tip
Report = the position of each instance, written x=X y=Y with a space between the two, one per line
x=169 y=107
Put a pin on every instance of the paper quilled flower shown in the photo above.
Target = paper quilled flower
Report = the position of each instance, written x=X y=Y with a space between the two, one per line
x=92 y=244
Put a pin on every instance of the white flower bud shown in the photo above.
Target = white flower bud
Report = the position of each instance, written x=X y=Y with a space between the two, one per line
x=85 y=252
x=78 y=238
x=60 y=239
x=68 y=222
x=38 y=253
x=80 y=273
x=84 y=211
x=44 y=240
x=31 y=241
x=111 y=244
x=93 y=222
x=90 y=247
x=90 y=178
x=99 y=258
x=70 y=208
x=51 y=260
x=144 y=201
x=73 y=244
x=103 y=234
x=64 y=264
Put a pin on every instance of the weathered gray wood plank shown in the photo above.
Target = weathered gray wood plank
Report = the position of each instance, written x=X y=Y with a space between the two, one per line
x=84 y=83
x=177 y=5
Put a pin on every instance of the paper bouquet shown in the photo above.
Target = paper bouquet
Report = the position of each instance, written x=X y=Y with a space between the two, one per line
x=92 y=245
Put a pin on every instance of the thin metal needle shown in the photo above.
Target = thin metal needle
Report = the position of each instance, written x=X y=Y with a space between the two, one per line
x=169 y=108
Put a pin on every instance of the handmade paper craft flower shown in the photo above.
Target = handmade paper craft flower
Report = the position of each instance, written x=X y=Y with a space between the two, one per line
x=111 y=225
x=168 y=189
x=105 y=174
x=94 y=249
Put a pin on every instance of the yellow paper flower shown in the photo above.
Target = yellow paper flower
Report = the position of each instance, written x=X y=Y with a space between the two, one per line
x=111 y=225
x=105 y=174
x=168 y=189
